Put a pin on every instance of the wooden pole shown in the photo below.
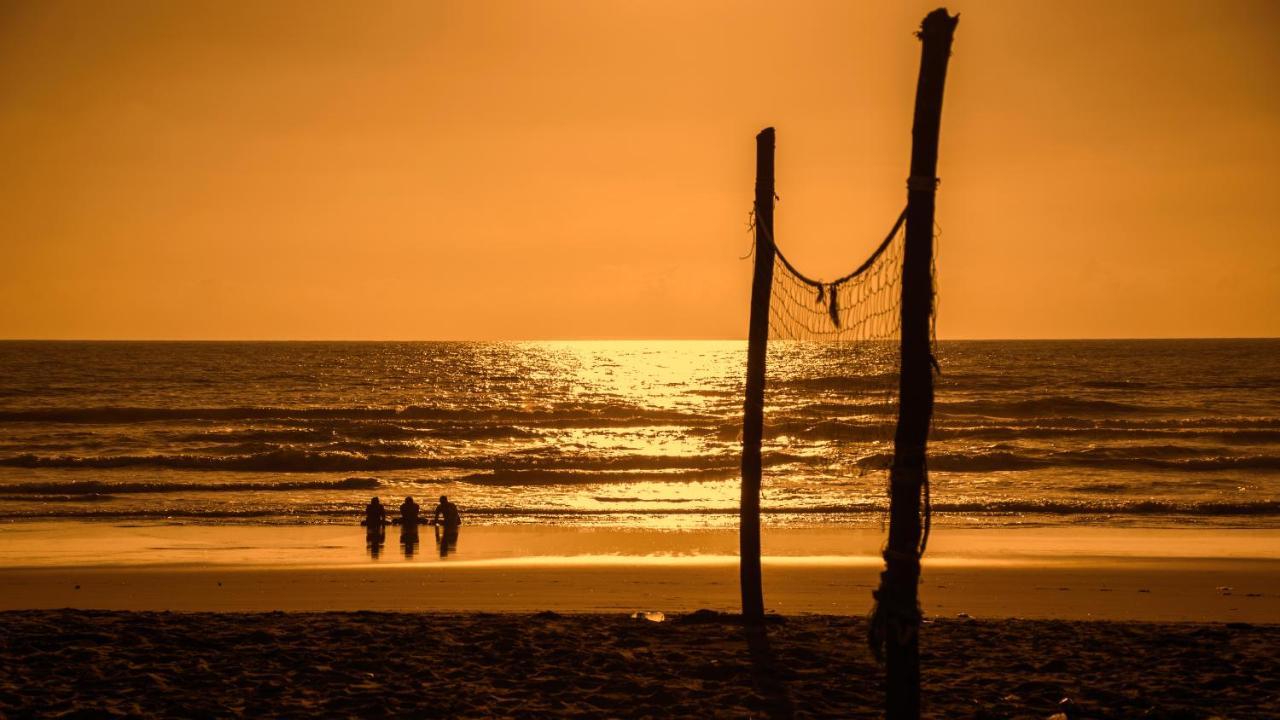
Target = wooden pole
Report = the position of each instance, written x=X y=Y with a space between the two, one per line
x=901 y=576
x=750 y=577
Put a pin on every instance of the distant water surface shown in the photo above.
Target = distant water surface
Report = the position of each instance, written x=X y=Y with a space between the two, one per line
x=1177 y=432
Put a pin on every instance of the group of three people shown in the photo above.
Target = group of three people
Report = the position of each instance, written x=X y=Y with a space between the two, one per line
x=446 y=516
x=375 y=517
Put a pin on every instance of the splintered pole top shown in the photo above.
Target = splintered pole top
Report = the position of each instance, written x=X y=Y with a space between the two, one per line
x=938 y=22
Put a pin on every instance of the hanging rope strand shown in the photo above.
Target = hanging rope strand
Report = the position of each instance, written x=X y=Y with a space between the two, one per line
x=818 y=284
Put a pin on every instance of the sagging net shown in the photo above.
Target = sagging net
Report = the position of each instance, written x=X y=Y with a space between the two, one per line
x=859 y=307
x=833 y=367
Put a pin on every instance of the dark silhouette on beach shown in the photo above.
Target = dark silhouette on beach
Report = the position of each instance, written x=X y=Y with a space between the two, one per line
x=375 y=532
x=449 y=511
x=409 y=526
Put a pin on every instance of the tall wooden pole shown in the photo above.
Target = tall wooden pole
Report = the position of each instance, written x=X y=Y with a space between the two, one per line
x=897 y=596
x=753 y=408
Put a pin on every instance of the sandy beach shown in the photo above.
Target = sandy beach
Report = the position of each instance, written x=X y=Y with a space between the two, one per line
x=176 y=620
x=95 y=664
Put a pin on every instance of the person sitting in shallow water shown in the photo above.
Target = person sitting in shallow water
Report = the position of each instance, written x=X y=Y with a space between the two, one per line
x=375 y=517
x=409 y=520
x=452 y=518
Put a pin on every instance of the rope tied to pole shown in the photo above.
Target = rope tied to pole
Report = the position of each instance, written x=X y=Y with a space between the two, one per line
x=927 y=184
x=895 y=617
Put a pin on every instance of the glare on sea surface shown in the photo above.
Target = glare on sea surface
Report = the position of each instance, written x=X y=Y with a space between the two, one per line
x=695 y=453
x=693 y=378
x=655 y=373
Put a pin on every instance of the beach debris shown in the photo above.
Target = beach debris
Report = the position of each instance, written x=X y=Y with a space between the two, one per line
x=1224 y=589
x=77 y=587
x=964 y=616
x=653 y=616
x=705 y=616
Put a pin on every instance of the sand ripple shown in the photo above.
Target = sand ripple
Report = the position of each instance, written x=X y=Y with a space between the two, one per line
x=117 y=664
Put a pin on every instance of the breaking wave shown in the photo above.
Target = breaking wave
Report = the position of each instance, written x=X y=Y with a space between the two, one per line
x=1097 y=458
x=588 y=415
x=302 y=515
x=82 y=488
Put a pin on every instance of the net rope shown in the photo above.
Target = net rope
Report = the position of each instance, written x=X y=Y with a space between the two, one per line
x=840 y=339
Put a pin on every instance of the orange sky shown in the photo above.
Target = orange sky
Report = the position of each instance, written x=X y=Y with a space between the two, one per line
x=435 y=170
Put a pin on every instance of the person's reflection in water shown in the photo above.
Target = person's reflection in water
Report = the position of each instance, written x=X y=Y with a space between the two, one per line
x=375 y=531
x=447 y=539
x=409 y=527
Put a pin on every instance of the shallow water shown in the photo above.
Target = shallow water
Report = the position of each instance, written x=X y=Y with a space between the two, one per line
x=1182 y=433
x=89 y=544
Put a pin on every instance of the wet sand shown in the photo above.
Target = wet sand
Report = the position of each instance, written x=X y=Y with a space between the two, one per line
x=1241 y=590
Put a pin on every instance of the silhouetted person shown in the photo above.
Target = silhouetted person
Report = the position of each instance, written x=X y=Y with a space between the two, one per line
x=375 y=516
x=409 y=525
x=375 y=520
x=449 y=511
x=409 y=514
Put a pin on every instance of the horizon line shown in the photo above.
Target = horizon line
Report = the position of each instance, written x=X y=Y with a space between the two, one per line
x=605 y=339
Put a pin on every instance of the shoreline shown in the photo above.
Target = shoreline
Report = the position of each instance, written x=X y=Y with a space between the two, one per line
x=91 y=543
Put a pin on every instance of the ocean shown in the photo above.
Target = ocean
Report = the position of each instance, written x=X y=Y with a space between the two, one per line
x=633 y=433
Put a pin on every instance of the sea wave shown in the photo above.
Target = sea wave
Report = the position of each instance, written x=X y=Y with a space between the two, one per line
x=839 y=383
x=1050 y=406
x=394 y=455
x=1192 y=422
x=1118 y=507
x=538 y=476
x=43 y=498
x=252 y=435
x=1077 y=433
x=328 y=513
x=304 y=460
x=1098 y=458
x=1074 y=429
x=606 y=499
x=84 y=488
x=588 y=415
